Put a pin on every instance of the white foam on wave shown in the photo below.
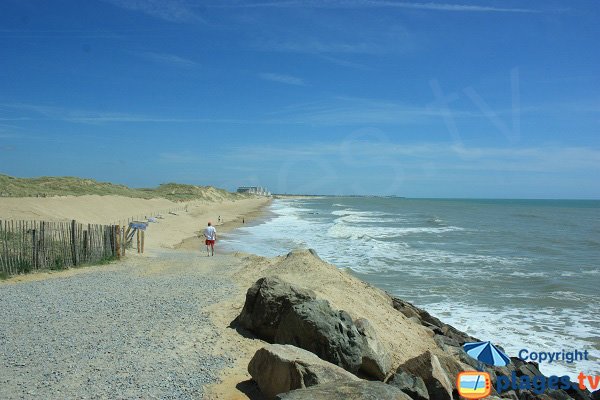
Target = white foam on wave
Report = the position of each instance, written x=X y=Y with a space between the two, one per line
x=359 y=213
x=529 y=274
x=591 y=272
x=345 y=231
x=359 y=219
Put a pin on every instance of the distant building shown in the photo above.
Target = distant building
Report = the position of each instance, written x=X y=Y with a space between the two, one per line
x=257 y=190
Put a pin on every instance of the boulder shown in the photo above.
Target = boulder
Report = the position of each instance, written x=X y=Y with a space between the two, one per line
x=376 y=360
x=428 y=367
x=578 y=394
x=453 y=367
x=330 y=334
x=410 y=384
x=558 y=394
x=281 y=368
x=266 y=302
x=361 y=390
x=511 y=394
x=528 y=369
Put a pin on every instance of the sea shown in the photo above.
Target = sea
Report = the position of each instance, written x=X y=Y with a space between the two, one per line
x=524 y=274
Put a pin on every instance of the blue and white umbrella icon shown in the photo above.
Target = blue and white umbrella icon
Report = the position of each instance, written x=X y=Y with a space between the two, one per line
x=487 y=353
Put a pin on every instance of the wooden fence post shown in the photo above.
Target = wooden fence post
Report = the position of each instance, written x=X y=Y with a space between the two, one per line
x=74 y=242
x=143 y=236
x=118 y=241
x=34 y=249
x=138 y=240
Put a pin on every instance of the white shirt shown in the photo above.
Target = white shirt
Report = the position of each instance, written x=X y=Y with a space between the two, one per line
x=210 y=233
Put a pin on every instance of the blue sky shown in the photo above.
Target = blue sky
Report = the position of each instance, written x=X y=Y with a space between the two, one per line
x=421 y=99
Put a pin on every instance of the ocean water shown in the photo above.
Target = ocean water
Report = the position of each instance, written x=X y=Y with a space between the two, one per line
x=521 y=273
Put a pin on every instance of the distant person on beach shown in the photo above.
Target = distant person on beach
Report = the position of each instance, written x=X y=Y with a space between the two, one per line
x=210 y=234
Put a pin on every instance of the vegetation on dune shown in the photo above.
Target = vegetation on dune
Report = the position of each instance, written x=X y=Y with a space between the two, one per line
x=72 y=186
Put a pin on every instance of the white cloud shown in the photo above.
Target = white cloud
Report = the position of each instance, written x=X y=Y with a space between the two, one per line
x=376 y=149
x=168 y=10
x=43 y=112
x=343 y=111
x=432 y=6
x=168 y=59
x=287 y=79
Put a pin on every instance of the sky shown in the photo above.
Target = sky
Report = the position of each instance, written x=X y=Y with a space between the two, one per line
x=476 y=99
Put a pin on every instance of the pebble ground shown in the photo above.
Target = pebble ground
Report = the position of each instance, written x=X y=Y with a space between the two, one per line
x=132 y=330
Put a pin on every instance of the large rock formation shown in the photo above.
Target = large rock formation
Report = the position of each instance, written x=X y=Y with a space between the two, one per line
x=267 y=301
x=282 y=313
x=362 y=390
x=281 y=368
x=330 y=334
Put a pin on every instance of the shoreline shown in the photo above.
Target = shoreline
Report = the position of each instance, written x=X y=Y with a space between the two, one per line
x=196 y=242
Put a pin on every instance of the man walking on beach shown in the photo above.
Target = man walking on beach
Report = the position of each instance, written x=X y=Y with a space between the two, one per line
x=210 y=233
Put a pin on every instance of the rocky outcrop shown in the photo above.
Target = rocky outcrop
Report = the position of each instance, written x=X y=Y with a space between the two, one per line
x=376 y=360
x=330 y=334
x=427 y=366
x=447 y=332
x=362 y=390
x=282 y=313
x=412 y=385
x=267 y=301
x=281 y=368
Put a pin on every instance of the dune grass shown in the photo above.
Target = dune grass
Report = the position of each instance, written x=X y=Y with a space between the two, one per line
x=73 y=186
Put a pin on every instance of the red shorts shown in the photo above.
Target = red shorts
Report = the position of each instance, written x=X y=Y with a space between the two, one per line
x=209 y=242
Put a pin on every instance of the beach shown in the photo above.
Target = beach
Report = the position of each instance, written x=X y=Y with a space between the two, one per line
x=163 y=323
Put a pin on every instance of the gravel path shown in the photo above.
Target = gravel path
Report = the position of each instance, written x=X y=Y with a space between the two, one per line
x=131 y=330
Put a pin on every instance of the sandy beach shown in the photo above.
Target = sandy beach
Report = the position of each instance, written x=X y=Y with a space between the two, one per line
x=170 y=230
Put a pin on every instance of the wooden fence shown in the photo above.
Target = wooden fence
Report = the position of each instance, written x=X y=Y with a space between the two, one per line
x=27 y=246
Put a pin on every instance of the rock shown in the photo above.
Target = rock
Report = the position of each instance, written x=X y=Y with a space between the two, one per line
x=596 y=395
x=452 y=366
x=528 y=369
x=558 y=394
x=361 y=390
x=509 y=395
x=281 y=368
x=410 y=310
x=376 y=360
x=412 y=385
x=330 y=334
x=428 y=367
x=578 y=394
x=266 y=302
x=444 y=341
